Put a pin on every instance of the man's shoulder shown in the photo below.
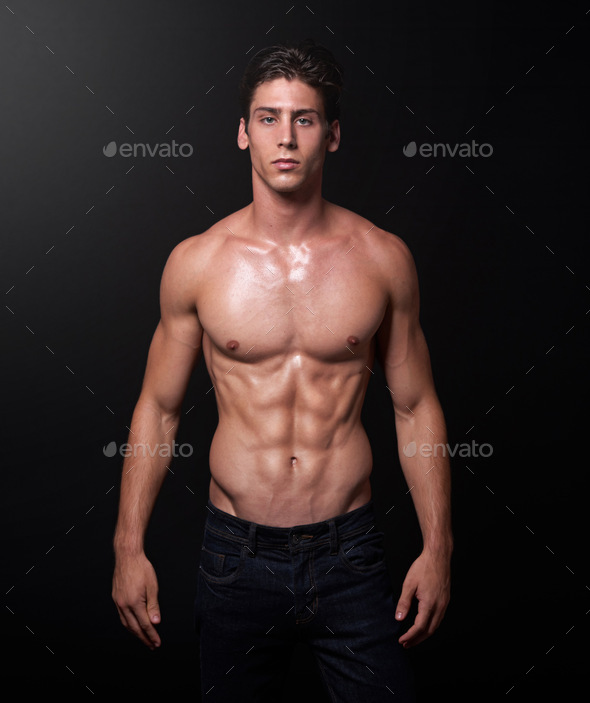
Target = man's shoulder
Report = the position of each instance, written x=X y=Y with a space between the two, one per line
x=196 y=250
x=386 y=247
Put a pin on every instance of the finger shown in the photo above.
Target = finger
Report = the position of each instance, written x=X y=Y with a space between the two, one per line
x=435 y=615
x=135 y=627
x=153 y=609
x=147 y=628
x=438 y=616
x=408 y=639
x=437 y=619
x=405 y=601
x=417 y=640
x=419 y=628
x=122 y=617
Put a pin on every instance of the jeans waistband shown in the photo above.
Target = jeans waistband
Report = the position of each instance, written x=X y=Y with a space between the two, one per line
x=312 y=534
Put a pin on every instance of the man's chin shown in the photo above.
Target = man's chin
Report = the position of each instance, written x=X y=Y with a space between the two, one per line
x=286 y=185
x=286 y=188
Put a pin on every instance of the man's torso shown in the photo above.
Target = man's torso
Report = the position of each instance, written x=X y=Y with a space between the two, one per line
x=289 y=342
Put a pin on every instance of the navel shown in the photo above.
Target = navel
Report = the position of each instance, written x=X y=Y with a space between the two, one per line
x=293 y=460
x=353 y=340
x=232 y=344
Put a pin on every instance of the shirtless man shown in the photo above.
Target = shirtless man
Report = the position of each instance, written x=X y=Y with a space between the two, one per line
x=289 y=299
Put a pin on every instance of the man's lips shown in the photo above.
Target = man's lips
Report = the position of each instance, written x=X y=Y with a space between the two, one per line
x=285 y=164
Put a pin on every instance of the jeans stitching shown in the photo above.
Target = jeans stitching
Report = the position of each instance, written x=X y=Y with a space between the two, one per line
x=228 y=579
x=266 y=544
x=313 y=585
x=343 y=557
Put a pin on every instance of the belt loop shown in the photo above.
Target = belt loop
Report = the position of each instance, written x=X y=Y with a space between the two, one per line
x=333 y=537
x=252 y=540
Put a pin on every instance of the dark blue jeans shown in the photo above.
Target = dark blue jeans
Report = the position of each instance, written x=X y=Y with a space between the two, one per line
x=261 y=589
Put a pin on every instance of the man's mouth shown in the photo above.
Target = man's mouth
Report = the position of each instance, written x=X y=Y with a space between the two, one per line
x=285 y=164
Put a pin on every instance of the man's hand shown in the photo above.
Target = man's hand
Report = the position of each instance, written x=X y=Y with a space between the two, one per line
x=135 y=592
x=429 y=581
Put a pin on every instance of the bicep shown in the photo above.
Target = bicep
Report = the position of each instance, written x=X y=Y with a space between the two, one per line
x=401 y=345
x=169 y=366
x=176 y=343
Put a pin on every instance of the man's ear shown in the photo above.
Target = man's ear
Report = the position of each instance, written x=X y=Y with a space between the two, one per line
x=242 y=135
x=333 y=136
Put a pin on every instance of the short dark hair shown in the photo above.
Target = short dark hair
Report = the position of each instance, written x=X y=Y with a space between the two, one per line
x=307 y=61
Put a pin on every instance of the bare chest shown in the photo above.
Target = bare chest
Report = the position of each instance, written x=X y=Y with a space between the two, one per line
x=327 y=306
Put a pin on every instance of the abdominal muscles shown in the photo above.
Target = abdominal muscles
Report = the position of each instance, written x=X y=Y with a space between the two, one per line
x=290 y=447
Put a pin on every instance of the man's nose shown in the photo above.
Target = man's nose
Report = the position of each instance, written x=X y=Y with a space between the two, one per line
x=287 y=134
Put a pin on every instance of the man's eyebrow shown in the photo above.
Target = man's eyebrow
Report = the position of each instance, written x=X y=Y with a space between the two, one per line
x=277 y=111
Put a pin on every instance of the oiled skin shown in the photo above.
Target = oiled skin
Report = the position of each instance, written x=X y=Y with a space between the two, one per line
x=289 y=339
x=289 y=300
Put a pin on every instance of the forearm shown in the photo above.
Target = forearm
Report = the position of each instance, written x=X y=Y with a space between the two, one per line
x=144 y=468
x=427 y=472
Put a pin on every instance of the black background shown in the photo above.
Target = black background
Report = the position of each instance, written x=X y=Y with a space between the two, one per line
x=500 y=244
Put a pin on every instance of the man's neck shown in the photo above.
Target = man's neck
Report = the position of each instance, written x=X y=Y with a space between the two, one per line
x=286 y=218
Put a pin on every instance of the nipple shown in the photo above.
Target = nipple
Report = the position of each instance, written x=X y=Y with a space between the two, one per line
x=352 y=340
x=233 y=345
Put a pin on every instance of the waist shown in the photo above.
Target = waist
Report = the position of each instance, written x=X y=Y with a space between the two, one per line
x=236 y=529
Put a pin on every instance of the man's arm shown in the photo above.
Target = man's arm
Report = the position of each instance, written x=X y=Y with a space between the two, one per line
x=420 y=424
x=172 y=355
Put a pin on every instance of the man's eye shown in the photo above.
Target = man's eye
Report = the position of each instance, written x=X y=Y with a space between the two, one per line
x=305 y=119
x=267 y=118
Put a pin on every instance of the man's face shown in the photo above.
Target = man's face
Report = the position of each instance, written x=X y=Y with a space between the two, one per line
x=287 y=121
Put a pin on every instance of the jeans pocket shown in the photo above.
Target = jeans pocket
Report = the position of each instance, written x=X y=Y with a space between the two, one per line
x=221 y=560
x=363 y=552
